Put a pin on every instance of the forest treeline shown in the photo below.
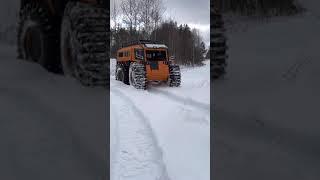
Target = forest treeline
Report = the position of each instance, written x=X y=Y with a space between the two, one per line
x=144 y=19
x=260 y=7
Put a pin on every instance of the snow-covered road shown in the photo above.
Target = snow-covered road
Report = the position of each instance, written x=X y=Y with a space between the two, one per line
x=134 y=148
x=163 y=132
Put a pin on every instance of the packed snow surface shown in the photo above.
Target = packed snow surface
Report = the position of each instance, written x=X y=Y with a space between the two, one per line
x=51 y=126
x=163 y=132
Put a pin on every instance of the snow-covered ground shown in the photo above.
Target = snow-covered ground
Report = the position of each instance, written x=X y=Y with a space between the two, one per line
x=267 y=107
x=51 y=127
x=163 y=132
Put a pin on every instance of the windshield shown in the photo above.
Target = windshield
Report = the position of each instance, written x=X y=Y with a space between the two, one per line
x=139 y=53
x=156 y=55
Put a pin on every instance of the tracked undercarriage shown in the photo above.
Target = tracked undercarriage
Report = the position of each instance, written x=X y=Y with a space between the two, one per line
x=68 y=37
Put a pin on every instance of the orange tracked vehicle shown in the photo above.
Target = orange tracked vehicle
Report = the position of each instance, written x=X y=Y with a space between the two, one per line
x=142 y=61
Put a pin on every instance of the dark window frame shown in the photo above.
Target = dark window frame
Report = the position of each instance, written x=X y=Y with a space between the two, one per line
x=163 y=53
x=135 y=53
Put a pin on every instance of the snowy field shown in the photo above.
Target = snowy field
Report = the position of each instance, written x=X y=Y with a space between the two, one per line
x=163 y=132
x=267 y=107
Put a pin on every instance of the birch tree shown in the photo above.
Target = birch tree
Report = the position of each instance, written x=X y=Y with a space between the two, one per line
x=131 y=10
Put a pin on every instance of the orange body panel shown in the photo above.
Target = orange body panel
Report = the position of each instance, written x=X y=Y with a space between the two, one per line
x=129 y=49
x=160 y=74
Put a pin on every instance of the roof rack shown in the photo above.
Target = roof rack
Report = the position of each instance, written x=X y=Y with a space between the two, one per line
x=137 y=42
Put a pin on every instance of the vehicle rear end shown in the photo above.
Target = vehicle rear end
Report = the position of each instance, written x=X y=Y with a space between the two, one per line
x=159 y=67
x=156 y=59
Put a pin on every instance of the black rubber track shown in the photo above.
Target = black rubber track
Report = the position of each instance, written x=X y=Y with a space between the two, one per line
x=218 y=46
x=124 y=74
x=138 y=75
x=174 y=76
x=90 y=41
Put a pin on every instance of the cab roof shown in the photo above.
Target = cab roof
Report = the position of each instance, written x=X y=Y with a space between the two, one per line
x=146 y=44
x=156 y=46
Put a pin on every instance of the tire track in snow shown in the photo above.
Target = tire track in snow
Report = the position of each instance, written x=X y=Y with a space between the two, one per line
x=184 y=100
x=114 y=140
x=140 y=157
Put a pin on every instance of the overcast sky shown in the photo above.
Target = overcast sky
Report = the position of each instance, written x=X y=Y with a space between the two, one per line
x=195 y=13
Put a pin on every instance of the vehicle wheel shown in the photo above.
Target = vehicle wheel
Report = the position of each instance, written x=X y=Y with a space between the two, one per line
x=37 y=37
x=84 y=45
x=119 y=73
x=122 y=73
x=138 y=76
x=174 y=79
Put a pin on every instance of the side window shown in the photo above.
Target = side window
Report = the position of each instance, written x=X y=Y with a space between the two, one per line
x=139 y=54
x=120 y=54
